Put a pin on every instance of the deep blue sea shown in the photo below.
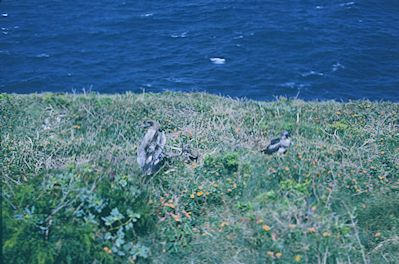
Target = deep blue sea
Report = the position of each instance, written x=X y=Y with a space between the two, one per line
x=241 y=48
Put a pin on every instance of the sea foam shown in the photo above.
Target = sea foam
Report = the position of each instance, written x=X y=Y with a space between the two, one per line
x=42 y=55
x=312 y=73
x=218 y=60
x=336 y=66
x=181 y=35
x=147 y=14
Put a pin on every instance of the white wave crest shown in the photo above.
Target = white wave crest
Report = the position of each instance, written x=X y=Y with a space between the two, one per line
x=310 y=73
x=218 y=60
x=147 y=14
x=336 y=66
x=42 y=55
x=181 y=35
x=347 y=4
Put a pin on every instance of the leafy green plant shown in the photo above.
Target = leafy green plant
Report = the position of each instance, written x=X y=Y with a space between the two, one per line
x=66 y=217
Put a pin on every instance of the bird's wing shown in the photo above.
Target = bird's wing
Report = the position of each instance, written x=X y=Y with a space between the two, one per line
x=142 y=150
x=273 y=146
x=274 y=141
x=161 y=139
x=148 y=137
x=160 y=143
x=149 y=152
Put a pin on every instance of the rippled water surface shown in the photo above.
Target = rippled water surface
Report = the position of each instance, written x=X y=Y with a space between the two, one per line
x=256 y=49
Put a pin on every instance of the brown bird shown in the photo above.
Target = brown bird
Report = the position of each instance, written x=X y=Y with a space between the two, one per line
x=150 y=152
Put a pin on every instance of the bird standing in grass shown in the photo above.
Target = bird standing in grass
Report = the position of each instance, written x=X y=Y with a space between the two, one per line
x=150 y=152
x=279 y=145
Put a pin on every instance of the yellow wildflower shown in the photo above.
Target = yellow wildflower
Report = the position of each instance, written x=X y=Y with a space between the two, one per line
x=192 y=196
x=223 y=224
x=326 y=234
x=200 y=193
x=177 y=218
x=169 y=205
x=228 y=190
x=186 y=214
x=107 y=250
x=266 y=228
x=279 y=254
x=270 y=253
x=298 y=258
x=312 y=230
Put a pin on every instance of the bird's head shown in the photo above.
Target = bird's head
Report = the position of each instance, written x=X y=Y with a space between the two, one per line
x=285 y=134
x=150 y=123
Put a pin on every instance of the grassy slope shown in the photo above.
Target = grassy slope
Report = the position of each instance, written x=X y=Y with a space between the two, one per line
x=332 y=198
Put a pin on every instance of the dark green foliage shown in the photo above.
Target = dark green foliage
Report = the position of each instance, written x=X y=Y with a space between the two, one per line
x=69 y=217
x=221 y=166
x=381 y=214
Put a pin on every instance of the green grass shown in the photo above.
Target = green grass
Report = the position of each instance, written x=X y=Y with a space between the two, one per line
x=72 y=191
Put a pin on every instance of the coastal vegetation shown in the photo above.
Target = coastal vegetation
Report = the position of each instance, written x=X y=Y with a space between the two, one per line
x=72 y=191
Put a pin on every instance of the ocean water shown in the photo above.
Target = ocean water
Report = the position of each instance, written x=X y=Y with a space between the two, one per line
x=256 y=49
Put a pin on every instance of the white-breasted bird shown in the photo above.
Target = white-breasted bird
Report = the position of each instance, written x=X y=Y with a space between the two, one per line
x=150 y=151
x=279 y=145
